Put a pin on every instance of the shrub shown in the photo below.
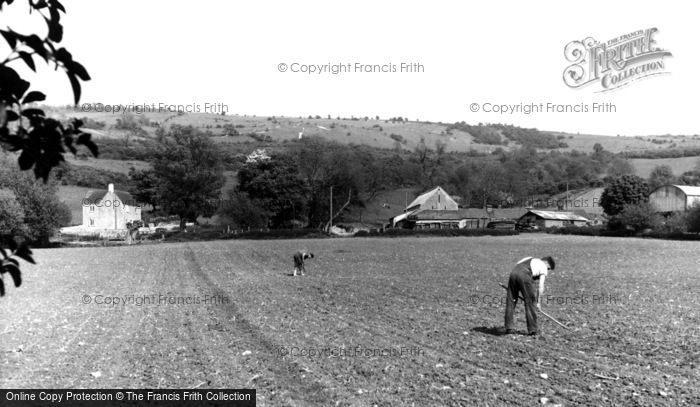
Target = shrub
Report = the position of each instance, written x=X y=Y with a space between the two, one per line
x=676 y=223
x=693 y=219
x=636 y=217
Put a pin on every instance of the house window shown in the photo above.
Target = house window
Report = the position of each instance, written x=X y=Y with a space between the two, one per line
x=92 y=208
x=438 y=198
x=92 y=222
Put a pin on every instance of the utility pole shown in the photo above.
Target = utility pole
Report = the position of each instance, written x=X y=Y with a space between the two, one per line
x=330 y=223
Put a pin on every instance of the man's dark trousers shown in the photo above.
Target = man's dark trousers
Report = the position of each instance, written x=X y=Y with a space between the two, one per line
x=521 y=281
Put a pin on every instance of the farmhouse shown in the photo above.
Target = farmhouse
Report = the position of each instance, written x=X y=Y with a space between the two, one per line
x=435 y=199
x=548 y=219
x=450 y=219
x=109 y=209
x=674 y=198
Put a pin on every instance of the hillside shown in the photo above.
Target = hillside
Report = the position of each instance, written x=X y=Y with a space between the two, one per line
x=124 y=141
x=381 y=133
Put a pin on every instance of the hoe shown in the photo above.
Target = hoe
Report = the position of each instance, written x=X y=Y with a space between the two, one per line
x=543 y=313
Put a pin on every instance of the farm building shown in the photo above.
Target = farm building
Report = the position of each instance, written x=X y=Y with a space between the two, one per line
x=109 y=209
x=435 y=199
x=450 y=219
x=674 y=198
x=548 y=219
x=507 y=213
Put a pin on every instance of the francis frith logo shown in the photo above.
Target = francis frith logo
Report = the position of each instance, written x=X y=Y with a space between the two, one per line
x=616 y=62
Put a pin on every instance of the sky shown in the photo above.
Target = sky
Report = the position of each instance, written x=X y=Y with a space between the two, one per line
x=481 y=54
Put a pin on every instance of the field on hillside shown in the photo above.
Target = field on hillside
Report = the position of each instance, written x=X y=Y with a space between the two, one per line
x=375 y=321
x=121 y=166
x=644 y=166
x=372 y=132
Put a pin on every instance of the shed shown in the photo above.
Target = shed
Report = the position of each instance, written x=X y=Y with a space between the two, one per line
x=549 y=219
x=674 y=198
x=470 y=218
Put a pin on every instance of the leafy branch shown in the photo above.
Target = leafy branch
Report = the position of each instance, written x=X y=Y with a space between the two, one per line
x=40 y=141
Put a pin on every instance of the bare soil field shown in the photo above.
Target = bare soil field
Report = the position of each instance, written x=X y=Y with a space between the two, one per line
x=389 y=322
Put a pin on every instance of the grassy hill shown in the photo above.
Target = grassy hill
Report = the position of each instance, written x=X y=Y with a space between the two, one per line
x=241 y=134
x=370 y=131
x=644 y=166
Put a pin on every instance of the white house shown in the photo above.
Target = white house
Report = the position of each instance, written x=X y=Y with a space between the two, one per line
x=109 y=209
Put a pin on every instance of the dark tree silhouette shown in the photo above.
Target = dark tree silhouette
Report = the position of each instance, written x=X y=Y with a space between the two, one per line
x=625 y=190
x=40 y=141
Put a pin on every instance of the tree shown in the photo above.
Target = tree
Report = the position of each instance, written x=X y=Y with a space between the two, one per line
x=598 y=148
x=188 y=172
x=625 y=190
x=619 y=167
x=661 y=175
x=42 y=212
x=40 y=141
x=691 y=177
x=244 y=211
x=276 y=188
x=11 y=216
x=145 y=187
x=636 y=217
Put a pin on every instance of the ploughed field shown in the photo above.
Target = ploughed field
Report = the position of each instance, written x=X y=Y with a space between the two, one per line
x=375 y=321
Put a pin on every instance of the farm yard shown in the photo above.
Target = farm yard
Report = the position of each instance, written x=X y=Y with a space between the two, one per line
x=403 y=321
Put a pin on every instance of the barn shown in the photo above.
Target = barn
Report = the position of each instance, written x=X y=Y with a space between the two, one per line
x=470 y=218
x=550 y=219
x=674 y=198
x=435 y=199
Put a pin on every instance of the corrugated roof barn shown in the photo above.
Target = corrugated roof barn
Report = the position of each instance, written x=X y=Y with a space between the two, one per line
x=675 y=198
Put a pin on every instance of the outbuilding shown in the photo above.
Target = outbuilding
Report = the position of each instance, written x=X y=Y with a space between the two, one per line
x=470 y=218
x=550 y=219
x=674 y=198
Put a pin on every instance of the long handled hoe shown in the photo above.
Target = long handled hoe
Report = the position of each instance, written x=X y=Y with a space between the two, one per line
x=542 y=312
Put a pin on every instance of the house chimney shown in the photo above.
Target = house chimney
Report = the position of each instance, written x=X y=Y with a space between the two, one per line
x=110 y=188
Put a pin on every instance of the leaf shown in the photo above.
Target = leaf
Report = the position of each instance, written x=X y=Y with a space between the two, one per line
x=55 y=27
x=25 y=160
x=93 y=148
x=79 y=70
x=11 y=115
x=34 y=96
x=14 y=273
x=75 y=85
x=11 y=260
x=58 y=5
x=27 y=58
x=10 y=37
x=34 y=42
x=24 y=252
